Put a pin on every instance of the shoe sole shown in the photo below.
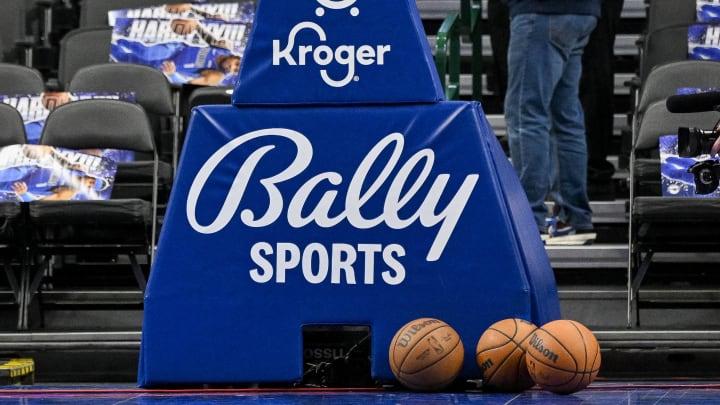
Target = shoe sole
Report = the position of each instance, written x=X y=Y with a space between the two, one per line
x=577 y=239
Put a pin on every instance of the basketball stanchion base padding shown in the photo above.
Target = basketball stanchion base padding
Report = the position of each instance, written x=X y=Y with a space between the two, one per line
x=338 y=189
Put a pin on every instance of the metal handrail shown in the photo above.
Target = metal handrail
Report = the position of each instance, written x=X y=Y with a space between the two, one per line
x=447 y=61
x=456 y=27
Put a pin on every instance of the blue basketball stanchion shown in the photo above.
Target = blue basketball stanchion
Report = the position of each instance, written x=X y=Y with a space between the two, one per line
x=338 y=189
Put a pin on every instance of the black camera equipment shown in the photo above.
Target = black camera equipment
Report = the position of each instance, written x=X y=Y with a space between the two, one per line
x=696 y=102
x=695 y=141
x=707 y=176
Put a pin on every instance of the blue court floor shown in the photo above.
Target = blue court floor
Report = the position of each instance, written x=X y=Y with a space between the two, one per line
x=686 y=393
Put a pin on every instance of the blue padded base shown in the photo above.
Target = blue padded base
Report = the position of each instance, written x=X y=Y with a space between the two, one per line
x=284 y=217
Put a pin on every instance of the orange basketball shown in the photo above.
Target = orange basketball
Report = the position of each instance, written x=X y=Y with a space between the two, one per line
x=563 y=356
x=501 y=356
x=426 y=354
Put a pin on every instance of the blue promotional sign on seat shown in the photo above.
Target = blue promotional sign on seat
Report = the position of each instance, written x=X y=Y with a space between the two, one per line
x=307 y=203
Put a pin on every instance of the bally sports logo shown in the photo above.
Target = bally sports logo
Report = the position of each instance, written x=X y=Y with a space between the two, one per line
x=402 y=181
x=321 y=55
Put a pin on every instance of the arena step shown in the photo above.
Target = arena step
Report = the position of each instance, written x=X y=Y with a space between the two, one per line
x=603 y=256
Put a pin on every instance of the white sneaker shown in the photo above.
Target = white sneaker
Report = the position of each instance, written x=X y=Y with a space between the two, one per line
x=575 y=239
x=560 y=233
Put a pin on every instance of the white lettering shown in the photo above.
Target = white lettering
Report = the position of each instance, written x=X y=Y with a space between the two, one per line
x=369 y=251
x=265 y=271
x=712 y=35
x=288 y=257
x=232 y=201
x=336 y=265
x=323 y=55
x=343 y=258
x=312 y=250
x=230 y=32
x=389 y=257
x=361 y=189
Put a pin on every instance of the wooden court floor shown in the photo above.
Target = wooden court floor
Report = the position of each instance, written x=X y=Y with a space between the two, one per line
x=610 y=393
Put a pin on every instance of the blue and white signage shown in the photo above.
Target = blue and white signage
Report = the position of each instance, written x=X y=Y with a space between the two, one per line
x=337 y=51
x=303 y=213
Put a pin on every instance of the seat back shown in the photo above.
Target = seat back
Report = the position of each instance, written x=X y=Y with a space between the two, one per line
x=13 y=128
x=99 y=123
x=151 y=87
x=209 y=95
x=12 y=25
x=664 y=80
x=664 y=13
x=658 y=121
x=152 y=91
x=19 y=79
x=82 y=47
x=667 y=44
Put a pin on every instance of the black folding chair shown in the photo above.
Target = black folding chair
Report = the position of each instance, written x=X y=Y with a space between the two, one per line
x=661 y=224
x=113 y=227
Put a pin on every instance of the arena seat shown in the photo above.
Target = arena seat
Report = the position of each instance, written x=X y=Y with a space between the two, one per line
x=666 y=13
x=338 y=189
x=19 y=79
x=13 y=130
x=665 y=69
x=12 y=29
x=116 y=226
x=82 y=47
x=153 y=92
x=661 y=45
x=666 y=79
x=13 y=239
x=664 y=45
x=664 y=18
x=209 y=95
x=663 y=224
x=203 y=95
x=663 y=13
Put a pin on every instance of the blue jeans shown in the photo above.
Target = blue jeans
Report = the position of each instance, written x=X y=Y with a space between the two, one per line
x=545 y=123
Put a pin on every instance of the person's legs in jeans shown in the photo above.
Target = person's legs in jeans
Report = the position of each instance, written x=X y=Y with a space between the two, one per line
x=569 y=34
x=534 y=67
x=538 y=58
